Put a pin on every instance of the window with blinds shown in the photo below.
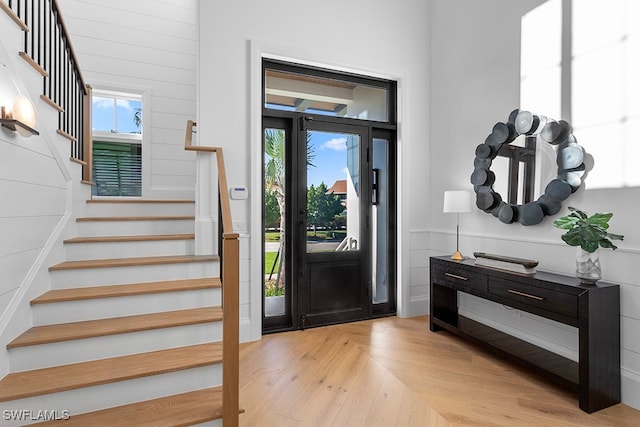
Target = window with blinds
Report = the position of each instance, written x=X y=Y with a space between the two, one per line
x=117 y=169
x=117 y=144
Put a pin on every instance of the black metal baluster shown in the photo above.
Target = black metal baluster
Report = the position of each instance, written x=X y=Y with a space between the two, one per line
x=32 y=53
x=26 y=33
x=38 y=35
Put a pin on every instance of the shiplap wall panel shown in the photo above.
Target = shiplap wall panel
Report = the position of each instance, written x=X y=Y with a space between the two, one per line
x=14 y=266
x=169 y=88
x=162 y=181
x=41 y=168
x=25 y=234
x=135 y=53
x=179 y=105
x=30 y=199
x=124 y=68
x=150 y=45
x=15 y=145
x=168 y=152
x=33 y=191
x=103 y=31
x=148 y=15
x=179 y=167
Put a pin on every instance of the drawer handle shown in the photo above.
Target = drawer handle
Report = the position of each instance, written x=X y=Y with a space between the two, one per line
x=525 y=295
x=455 y=276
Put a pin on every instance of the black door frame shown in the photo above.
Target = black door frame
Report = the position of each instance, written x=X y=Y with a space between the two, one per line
x=293 y=124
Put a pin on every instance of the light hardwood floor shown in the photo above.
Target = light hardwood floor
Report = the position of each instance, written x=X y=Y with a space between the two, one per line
x=395 y=372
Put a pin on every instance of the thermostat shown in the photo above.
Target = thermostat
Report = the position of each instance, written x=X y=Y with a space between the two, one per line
x=239 y=193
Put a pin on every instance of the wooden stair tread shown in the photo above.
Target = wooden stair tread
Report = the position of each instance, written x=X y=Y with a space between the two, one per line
x=179 y=410
x=19 y=22
x=140 y=238
x=19 y=385
x=136 y=218
x=125 y=201
x=117 y=325
x=134 y=261
x=110 y=291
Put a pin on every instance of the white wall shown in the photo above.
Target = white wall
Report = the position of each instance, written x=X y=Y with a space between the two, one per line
x=148 y=46
x=379 y=38
x=35 y=189
x=475 y=48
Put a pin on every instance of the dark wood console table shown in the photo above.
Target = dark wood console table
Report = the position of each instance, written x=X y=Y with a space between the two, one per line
x=593 y=309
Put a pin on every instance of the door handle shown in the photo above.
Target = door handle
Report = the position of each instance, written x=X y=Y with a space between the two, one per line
x=374 y=186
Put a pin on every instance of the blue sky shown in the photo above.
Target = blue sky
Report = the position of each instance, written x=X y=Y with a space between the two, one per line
x=330 y=150
x=103 y=118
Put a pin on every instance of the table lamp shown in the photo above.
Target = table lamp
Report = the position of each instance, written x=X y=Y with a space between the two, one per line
x=457 y=202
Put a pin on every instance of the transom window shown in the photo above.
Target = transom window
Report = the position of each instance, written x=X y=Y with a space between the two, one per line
x=289 y=87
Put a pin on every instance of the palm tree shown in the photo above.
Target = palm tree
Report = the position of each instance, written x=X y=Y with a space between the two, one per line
x=274 y=181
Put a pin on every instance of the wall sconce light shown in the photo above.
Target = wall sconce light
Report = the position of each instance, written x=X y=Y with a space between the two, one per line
x=457 y=202
x=20 y=118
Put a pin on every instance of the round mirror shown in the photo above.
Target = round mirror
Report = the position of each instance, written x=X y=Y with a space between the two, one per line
x=522 y=149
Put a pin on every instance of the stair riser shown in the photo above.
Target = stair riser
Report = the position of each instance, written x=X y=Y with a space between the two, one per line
x=119 y=393
x=134 y=228
x=216 y=423
x=85 y=251
x=87 y=277
x=103 y=308
x=138 y=209
x=62 y=353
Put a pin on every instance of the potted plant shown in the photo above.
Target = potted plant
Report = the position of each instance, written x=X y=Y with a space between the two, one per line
x=588 y=233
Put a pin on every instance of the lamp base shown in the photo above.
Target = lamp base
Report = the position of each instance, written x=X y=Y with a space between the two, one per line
x=457 y=256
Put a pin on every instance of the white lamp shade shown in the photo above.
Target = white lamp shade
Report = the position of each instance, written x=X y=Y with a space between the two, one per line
x=23 y=112
x=457 y=201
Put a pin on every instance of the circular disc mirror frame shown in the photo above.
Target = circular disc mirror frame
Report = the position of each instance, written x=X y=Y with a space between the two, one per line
x=569 y=157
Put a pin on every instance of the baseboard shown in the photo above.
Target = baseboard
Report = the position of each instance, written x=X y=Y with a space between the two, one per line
x=245 y=330
x=631 y=388
x=418 y=306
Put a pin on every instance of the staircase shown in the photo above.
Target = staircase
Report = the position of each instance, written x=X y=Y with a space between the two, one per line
x=131 y=331
x=127 y=312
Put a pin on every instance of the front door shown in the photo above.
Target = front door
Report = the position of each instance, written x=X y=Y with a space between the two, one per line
x=329 y=207
x=333 y=245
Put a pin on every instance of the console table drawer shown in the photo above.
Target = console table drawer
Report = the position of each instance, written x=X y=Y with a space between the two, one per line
x=460 y=279
x=545 y=299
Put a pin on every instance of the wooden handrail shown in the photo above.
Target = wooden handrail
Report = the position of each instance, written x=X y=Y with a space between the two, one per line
x=225 y=206
x=65 y=34
x=87 y=137
x=230 y=289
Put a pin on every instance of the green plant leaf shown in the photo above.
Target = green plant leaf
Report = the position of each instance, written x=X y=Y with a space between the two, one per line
x=572 y=237
x=566 y=222
x=587 y=232
x=578 y=212
x=589 y=246
x=591 y=234
x=606 y=243
x=600 y=219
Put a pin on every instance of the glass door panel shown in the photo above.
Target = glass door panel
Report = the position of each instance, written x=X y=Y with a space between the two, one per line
x=274 y=237
x=380 y=221
x=333 y=192
x=334 y=214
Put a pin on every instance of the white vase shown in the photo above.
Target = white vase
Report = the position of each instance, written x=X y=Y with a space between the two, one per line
x=588 y=266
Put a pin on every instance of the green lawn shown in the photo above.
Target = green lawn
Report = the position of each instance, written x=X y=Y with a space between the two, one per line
x=274 y=236
x=269 y=258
